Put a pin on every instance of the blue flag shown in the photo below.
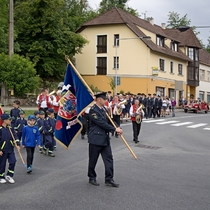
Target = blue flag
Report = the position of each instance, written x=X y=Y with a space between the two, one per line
x=75 y=99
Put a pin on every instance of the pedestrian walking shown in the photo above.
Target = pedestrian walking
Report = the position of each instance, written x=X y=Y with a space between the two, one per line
x=7 y=150
x=30 y=139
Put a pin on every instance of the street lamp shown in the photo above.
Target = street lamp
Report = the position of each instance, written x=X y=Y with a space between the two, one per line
x=116 y=46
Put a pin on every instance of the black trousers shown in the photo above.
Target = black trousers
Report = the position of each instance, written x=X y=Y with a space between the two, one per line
x=154 y=111
x=145 y=113
x=12 y=161
x=158 y=111
x=106 y=154
x=30 y=155
x=85 y=123
x=136 y=130
x=116 y=118
x=149 y=112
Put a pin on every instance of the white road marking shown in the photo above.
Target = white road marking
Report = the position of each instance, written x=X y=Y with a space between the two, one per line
x=182 y=123
x=150 y=121
x=197 y=125
x=167 y=122
x=208 y=129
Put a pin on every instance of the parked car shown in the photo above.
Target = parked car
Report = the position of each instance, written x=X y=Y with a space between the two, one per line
x=196 y=107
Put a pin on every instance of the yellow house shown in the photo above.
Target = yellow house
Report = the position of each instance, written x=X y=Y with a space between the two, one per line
x=119 y=48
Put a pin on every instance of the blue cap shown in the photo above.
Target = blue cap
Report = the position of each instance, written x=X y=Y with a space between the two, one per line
x=50 y=110
x=36 y=112
x=31 y=117
x=5 y=117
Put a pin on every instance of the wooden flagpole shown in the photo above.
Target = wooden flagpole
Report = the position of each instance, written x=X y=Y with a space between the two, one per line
x=21 y=157
x=123 y=139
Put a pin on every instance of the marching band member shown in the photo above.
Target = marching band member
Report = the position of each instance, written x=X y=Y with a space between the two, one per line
x=43 y=100
x=56 y=102
x=116 y=108
x=137 y=114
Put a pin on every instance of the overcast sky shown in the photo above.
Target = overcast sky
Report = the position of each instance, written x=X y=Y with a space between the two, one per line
x=198 y=11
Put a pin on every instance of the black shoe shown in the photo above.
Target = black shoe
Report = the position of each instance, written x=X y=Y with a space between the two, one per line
x=136 y=141
x=93 y=182
x=111 y=184
x=116 y=136
x=112 y=134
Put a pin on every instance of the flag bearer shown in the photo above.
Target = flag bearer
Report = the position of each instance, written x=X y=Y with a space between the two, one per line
x=7 y=150
x=49 y=128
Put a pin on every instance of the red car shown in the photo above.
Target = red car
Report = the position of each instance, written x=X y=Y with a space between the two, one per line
x=196 y=107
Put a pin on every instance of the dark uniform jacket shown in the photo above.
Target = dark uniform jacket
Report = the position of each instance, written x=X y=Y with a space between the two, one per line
x=6 y=140
x=49 y=126
x=144 y=102
x=40 y=125
x=20 y=124
x=99 y=127
x=15 y=113
x=149 y=102
x=159 y=103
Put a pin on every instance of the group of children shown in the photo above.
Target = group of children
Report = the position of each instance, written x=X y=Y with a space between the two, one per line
x=37 y=130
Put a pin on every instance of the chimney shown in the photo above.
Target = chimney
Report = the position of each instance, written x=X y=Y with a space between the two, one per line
x=163 y=25
x=151 y=20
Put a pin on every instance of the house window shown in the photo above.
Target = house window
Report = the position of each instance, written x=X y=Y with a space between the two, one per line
x=116 y=63
x=174 y=46
x=191 y=53
x=102 y=44
x=160 y=41
x=180 y=69
x=160 y=91
x=162 y=64
x=101 y=66
x=171 y=93
x=208 y=76
x=202 y=75
x=201 y=95
x=116 y=39
x=171 y=67
x=208 y=97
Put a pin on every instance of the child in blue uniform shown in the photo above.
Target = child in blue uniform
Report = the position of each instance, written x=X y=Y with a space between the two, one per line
x=40 y=125
x=21 y=122
x=7 y=150
x=30 y=138
x=49 y=128
x=15 y=112
x=36 y=114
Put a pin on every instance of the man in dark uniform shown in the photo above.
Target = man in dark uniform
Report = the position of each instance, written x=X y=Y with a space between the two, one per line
x=159 y=106
x=149 y=106
x=99 y=141
x=144 y=102
x=154 y=105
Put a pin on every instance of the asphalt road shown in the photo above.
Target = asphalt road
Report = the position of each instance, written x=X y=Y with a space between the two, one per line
x=172 y=172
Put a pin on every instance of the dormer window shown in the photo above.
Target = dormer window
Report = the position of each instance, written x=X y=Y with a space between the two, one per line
x=174 y=46
x=160 y=41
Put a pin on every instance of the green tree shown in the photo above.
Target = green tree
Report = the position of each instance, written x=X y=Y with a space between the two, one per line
x=106 y=5
x=174 y=20
x=4 y=18
x=79 y=12
x=44 y=35
x=18 y=73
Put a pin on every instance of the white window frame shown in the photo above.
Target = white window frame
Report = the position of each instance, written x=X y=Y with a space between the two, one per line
x=96 y=43
x=170 y=67
x=202 y=75
x=182 y=69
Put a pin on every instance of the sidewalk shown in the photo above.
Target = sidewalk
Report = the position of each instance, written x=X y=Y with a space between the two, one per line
x=7 y=108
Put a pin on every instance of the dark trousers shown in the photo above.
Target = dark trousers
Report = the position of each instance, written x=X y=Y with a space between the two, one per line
x=154 y=111
x=158 y=111
x=49 y=142
x=3 y=160
x=136 y=130
x=30 y=155
x=116 y=119
x=145 y=113
x=149 y=112
x=106 y=154
x=85 y=123
x=19 y=135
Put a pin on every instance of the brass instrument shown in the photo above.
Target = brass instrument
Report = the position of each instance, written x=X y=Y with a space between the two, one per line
x=139 y=116
x=51 y=93
x=118 y=110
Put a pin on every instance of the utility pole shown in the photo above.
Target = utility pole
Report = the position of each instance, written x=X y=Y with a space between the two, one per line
x=11 y=28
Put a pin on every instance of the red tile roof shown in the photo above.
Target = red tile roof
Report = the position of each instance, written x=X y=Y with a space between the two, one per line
x=204 y=57
x=118 y=16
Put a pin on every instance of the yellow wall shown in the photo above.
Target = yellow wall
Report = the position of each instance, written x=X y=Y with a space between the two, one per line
x=133 y=85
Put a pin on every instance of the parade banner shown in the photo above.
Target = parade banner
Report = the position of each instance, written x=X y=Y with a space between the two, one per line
x=74 y=100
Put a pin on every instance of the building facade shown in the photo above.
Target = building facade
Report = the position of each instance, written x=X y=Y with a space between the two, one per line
x=119 y=48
